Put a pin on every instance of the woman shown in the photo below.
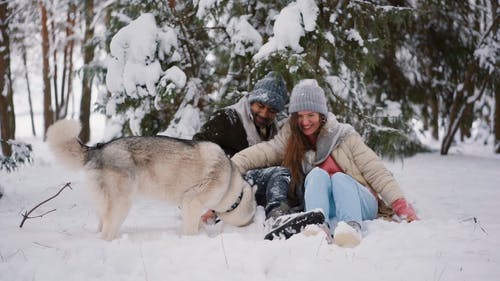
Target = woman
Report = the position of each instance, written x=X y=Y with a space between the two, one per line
x=342 y=176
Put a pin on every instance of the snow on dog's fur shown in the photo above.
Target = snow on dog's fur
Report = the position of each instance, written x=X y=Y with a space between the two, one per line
x=192 y=175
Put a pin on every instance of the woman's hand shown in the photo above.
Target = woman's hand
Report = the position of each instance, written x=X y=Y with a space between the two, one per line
x=209 y=217
x=404 y=210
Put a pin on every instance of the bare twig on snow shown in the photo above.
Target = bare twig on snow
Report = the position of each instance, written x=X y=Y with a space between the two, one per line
x=26 y=214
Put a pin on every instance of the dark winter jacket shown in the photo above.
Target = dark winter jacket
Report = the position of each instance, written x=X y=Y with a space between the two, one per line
x=232 y=128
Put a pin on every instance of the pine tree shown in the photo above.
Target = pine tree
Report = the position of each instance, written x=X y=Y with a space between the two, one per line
x=455 y=52
x=384 y=64
x=345 y=47
x=7 y=120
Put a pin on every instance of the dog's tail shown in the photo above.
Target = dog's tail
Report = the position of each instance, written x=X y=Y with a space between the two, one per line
x=62 y=138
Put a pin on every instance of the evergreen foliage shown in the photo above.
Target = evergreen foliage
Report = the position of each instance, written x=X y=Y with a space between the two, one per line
x=22 y=154
x=383 y=64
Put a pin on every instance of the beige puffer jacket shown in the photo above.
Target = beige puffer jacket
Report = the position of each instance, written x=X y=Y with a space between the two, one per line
x=343 y=143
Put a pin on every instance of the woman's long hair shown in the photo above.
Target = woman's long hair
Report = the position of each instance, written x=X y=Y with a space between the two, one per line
x=297 y=146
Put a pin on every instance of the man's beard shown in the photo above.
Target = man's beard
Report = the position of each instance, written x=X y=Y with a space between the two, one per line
x=260 y=121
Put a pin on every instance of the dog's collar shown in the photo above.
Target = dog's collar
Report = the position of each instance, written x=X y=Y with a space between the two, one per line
x=236 y=204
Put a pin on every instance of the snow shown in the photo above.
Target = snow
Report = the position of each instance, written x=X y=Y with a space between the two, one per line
x=132 y=61
x=134 y=70
x=484 y=54
x=244 y=37
x=203 y=6
x=176 y=75
x=188 y=125
x=455 y=196
x=291 y=24
x=353 y=35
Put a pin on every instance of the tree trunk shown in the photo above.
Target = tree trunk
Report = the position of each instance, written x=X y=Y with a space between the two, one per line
x=48 y=113
x=61 y=113
x=26 y=76
x=54 y=64
x=494 y=7
x=70 y=95
x=466 y=124
x=460 y=104
x=453 y=127
x=7 y=116
x=67 y=71
x=497 y=121
x=434 y=116
x=88 y=57
x=457 y=110
x=70 y=82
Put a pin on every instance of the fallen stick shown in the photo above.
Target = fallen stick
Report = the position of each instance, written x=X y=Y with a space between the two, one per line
x=26 y=214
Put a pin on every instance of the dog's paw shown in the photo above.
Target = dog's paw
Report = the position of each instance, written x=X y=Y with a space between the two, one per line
x=107 y=237
x=108 y=234
x=213 y=228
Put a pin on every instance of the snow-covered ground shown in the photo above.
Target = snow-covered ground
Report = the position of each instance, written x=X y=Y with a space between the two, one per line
x=457 y=197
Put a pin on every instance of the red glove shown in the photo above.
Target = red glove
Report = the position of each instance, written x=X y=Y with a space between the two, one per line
x=404 y=210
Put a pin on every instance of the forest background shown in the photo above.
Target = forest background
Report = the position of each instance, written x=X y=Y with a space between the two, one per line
x=400 y=71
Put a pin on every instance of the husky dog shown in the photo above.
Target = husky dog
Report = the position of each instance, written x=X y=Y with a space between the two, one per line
x=193 y=175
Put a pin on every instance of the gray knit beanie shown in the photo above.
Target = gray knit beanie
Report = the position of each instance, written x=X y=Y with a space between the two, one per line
x=308 y=96
x=271 y=91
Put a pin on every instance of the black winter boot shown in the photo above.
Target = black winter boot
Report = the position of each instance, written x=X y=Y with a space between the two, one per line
x=287 y=225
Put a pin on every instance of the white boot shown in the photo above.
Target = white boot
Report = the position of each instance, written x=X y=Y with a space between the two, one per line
x=347 y=234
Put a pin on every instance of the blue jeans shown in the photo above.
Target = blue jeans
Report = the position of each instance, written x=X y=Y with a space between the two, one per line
x=272 y=186
x=340 y=197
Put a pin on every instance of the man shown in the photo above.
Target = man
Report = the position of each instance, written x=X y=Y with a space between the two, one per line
x=250 y=121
